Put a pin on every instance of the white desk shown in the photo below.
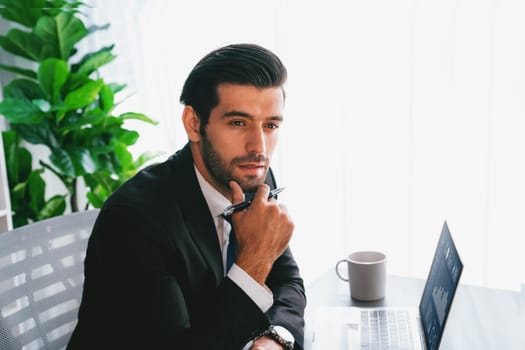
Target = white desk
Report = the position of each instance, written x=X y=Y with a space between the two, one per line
x=480 y=318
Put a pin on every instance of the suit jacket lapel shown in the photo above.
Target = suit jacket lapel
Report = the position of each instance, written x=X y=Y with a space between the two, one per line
x=196 y=212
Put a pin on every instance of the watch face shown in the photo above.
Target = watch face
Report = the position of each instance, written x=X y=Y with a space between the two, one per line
x=284 y=333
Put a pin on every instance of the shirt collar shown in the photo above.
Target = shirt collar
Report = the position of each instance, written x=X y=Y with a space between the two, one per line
x=215 y=200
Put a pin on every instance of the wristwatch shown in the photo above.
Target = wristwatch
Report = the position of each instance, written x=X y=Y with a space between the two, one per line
x=280 y=335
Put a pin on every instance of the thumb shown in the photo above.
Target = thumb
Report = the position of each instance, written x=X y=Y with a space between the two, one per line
x=237 y=194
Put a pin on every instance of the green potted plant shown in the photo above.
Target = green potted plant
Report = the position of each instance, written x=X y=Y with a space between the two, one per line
x=60 y=101
x=26 y=185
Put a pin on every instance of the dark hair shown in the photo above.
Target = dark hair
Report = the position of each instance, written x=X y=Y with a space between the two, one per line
x=243 y=64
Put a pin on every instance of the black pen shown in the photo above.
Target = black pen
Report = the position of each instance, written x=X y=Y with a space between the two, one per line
x=245 y=204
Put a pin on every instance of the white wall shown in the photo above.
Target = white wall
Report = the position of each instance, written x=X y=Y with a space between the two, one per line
x=400 y=115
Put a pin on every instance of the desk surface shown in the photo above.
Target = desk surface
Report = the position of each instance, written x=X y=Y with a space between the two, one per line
x=480 y=318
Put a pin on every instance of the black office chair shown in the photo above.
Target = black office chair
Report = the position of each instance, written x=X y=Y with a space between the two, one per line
x=41 y=277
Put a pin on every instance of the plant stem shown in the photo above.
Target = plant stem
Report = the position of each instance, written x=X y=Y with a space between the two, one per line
x=60 y=176
x=73 y=198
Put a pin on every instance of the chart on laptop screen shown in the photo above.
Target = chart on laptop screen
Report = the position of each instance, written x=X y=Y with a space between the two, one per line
x=440 y=288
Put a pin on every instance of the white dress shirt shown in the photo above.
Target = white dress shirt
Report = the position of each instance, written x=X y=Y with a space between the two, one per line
x=261 y=295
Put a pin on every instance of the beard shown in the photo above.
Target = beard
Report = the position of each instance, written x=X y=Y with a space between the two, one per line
x=222 y=171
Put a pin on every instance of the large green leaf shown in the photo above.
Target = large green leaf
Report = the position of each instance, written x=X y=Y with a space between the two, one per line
x=38 y=134
x=75 y=81
x=137 y=116
x=82 y=161
x=19 y=191
x=61 y=4
x=52 y=74
x=124 y=156
x=98 y=195
x=17 y=70
x=107 y=161
x=20 y=205
x=81 y=121
x=100 y=178
x=73 y=161
x=21 y=111
x=36 y=188
x=23 y=160
x=51 y=12
x=25 y=12
x=23 y=3
x=95 y=199
x=10 y=143
x=23 y=89
x=83 y=96
x=62 y=162
x=111 y=122
x=20 y=219
x=101 y=185
x=43 y=104
x=127 y=137
x=93 y=61
x=55 y=206
x=17 y=159
x=22 y=43
x=106 y=98
x=60 y=33
x=100 y=147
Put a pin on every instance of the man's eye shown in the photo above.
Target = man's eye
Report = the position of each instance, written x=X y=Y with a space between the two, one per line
x=237 y=123
x=272 y=126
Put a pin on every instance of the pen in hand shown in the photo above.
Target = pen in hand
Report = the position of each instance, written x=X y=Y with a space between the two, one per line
x=245 y=204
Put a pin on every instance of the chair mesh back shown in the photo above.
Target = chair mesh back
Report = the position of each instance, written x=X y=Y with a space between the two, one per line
x=41 y=276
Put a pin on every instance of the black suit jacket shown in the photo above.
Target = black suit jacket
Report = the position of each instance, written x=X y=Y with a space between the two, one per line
x=154 y=275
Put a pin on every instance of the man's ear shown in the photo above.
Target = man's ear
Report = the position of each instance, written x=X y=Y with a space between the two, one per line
x=192 y=124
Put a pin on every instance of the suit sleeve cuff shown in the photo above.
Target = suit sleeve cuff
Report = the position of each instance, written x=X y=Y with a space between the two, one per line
x=261 y=295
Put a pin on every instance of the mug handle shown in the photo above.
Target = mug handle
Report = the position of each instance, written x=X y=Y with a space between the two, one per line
x=337 y=270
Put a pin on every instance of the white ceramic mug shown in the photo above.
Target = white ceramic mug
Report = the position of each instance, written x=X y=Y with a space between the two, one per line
x=366 y=275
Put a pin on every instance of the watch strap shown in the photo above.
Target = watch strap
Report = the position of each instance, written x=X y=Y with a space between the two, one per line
x=272 y=333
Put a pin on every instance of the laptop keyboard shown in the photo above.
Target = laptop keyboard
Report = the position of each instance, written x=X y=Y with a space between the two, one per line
x=386 y=330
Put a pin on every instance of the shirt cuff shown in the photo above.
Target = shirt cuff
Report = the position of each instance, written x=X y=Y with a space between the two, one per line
x=261 y=295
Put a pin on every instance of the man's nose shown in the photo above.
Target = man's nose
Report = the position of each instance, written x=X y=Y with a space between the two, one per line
x=256 y=142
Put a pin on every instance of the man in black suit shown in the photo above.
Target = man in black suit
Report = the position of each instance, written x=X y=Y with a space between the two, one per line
x=156 y=269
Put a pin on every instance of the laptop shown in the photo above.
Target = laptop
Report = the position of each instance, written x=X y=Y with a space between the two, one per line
x=385 y=328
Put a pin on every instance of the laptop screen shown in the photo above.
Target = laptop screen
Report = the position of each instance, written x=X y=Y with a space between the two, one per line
x=440 y=288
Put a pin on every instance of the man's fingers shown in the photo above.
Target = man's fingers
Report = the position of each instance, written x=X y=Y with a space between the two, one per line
x=262 y=193
x=237 y=194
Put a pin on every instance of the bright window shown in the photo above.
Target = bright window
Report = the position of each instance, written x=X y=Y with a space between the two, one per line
x=399 y=115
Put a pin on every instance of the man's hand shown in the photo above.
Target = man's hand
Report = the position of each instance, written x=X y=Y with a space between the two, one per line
x=266 y=343
x=262 y=231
